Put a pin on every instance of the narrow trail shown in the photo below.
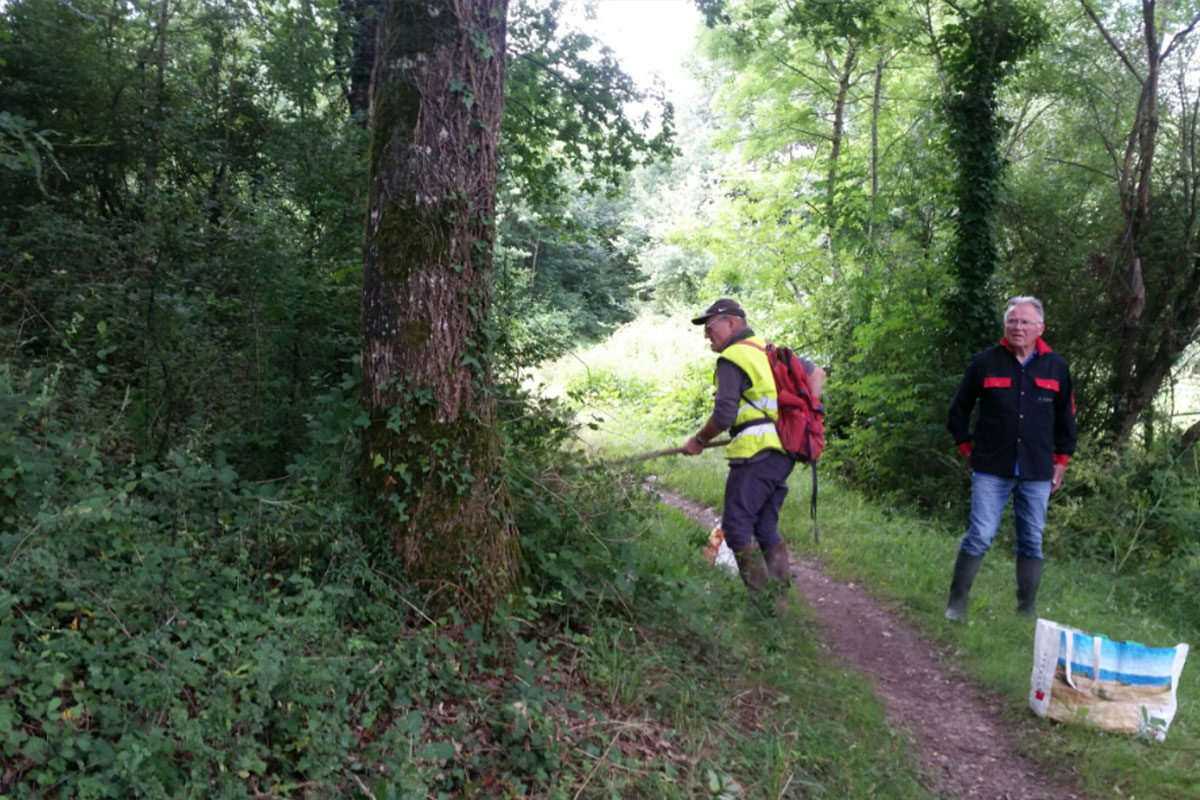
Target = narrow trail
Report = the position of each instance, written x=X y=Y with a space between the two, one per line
x=962 y=744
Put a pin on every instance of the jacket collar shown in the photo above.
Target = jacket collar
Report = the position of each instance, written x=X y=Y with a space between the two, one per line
x=1040 y=346
x=743 y=333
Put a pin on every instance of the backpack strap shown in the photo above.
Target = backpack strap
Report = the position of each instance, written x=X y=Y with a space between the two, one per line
x=766 y=418
x=813 y=504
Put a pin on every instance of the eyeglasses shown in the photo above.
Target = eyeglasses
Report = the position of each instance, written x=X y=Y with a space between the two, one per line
x=708 y=326
x=1022 y=323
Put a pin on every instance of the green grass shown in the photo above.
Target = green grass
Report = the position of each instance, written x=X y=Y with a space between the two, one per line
x=729 y=703
x=905 y=562
x=650 y=347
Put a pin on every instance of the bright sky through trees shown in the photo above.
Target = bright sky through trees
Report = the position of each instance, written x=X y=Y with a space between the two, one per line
x=651 y=38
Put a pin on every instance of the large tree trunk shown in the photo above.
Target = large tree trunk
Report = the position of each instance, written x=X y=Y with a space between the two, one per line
x=432 y=448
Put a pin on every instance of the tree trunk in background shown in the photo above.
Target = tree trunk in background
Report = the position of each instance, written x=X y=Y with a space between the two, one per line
x=986 y=43
x=432 y=449
x=357 y=29
x=876 y=95
x=835 y=150
x=1154 y=330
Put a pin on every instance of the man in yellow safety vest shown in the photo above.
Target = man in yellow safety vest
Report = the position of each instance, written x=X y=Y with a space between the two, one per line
x=746 y=404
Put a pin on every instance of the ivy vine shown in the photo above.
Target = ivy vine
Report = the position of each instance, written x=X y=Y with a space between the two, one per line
x=982 y=50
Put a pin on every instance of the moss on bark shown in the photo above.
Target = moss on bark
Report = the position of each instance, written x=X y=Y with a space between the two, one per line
x=433 y=453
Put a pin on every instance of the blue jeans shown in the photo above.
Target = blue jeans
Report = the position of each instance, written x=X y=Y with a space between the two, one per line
x=989 y=496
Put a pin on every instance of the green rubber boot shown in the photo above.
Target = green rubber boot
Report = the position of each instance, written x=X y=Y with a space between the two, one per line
x=1029 y=576
x=965 y=569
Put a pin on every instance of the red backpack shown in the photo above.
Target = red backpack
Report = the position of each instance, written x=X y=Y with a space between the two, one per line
x=801 y=422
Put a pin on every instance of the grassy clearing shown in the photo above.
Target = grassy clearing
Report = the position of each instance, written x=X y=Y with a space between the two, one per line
x=650 y=347
x=906 y=561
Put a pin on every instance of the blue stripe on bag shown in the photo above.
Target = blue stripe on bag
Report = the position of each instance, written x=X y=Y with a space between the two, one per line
x=1127 y=662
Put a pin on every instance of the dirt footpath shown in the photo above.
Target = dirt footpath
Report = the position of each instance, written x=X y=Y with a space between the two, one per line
x=963 y=746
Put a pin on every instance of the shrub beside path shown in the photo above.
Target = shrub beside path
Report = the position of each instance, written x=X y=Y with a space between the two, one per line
x=959 y=736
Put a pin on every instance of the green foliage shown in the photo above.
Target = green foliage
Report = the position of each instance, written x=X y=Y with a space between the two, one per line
x=22 y=149
x=206 y=207
x=556 y=285
x=1137 y=512
x=564 y=112
x=982 y=49
x=606 y=387
x=189 y=241
x=158 y=622
x=180 y=631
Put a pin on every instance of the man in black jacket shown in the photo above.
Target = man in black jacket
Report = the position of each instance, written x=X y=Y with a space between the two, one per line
x=1023 y=439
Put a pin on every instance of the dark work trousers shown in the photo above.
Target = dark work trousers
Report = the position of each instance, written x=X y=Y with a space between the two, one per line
x=754 y=493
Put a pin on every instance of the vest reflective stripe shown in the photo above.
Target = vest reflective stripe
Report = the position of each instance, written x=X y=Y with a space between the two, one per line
x=762 y=404
x=754 y=438
x=765 y=429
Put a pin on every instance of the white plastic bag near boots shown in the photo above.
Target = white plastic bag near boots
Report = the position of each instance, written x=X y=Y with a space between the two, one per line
x=1123 y=687
x=716 y=552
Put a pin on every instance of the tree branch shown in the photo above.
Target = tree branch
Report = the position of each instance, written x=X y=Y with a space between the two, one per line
x=1179 y=37
x=1077 y=164
x=1112 y=42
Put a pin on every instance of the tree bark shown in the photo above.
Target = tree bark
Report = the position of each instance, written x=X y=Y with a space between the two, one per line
x=876 y=102
x=835 y=150
x=432 y=450
x=1147 y=349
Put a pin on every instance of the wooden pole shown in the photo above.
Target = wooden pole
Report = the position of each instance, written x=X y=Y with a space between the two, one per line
x=670 y=451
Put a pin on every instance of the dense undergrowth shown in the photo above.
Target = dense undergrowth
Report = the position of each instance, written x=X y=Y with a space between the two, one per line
x=175 y=630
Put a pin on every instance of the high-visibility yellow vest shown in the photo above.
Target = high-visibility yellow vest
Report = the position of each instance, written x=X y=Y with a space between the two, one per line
x=754 y=429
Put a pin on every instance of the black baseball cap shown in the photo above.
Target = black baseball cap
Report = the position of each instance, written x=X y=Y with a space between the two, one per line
x=722 y=307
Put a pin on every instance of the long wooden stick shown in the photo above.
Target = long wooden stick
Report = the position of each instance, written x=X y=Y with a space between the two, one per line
x=670 y=451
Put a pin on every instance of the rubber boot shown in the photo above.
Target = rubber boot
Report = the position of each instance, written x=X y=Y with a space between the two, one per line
x=752 y=570
x=1029 y=575
x=965 y=569
x=780 y=570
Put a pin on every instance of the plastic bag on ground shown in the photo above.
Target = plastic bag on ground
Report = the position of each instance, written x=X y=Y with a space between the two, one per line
x=717 y=553
x=1122 y=687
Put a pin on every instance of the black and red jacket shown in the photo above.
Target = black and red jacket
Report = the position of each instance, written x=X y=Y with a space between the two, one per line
x=1026 y=413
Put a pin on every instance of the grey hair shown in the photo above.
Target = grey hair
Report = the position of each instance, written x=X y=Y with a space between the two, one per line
x=1026 y=300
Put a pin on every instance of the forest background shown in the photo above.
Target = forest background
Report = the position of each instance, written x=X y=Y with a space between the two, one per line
x=202 y=489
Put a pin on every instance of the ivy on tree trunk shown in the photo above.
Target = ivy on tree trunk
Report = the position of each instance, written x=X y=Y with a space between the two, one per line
x=432 y=449
x=983 y=49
